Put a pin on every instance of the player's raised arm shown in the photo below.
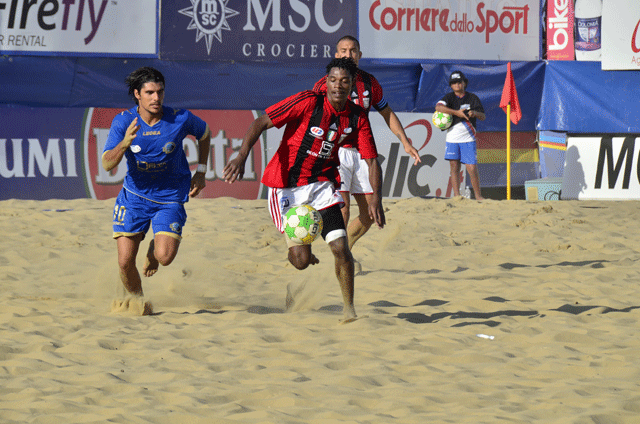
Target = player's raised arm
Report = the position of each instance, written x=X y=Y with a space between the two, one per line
x=234 y=170
x=111 y=158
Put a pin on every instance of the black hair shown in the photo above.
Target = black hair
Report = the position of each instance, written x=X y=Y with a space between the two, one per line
x=136 y=79
x=350 y=38
x=345 y=63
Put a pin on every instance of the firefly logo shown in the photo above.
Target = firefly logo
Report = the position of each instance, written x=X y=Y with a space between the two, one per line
x=49 y=10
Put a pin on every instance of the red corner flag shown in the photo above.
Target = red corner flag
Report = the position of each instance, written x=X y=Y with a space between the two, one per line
x=510 y=95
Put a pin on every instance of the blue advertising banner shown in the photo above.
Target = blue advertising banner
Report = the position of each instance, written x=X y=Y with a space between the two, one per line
x=255 y=30
x=41 y=153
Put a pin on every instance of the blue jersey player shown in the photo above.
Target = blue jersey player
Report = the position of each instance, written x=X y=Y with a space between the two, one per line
x=158 y=181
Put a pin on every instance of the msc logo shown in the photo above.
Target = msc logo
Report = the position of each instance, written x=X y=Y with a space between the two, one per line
x=209 y=18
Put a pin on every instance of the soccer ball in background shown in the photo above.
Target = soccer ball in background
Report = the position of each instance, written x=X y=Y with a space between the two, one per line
x=441 y=120
x=302 y=224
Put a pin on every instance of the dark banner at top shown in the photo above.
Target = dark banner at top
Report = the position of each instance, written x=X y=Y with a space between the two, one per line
x=255 y=30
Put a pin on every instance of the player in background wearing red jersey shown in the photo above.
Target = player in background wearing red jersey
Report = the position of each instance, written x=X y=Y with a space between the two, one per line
x=366 y=92
x=304 y=169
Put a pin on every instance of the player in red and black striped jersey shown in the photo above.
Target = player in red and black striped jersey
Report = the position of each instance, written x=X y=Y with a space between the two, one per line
x=314 y=131
x=304 y=169
x=366 y=92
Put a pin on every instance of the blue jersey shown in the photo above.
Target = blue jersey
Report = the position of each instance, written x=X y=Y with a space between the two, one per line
x=157 y=165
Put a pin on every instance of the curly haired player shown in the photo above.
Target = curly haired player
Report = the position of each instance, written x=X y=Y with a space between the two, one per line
x=304 y=170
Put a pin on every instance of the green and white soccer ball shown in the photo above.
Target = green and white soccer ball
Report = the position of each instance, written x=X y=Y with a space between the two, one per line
x=442 y=120
x=302 y=224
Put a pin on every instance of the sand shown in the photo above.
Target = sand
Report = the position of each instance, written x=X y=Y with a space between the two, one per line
x=492 y=312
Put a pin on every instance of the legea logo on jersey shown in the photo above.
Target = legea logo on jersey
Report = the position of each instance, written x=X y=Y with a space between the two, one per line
x=209 y=18
x=316 y=132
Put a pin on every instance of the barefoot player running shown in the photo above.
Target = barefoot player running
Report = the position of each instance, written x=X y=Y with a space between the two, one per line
x=158 y=180
x=304 y=170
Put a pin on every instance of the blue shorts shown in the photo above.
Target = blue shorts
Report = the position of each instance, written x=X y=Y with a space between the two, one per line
x=464 y=152
x=134 y=215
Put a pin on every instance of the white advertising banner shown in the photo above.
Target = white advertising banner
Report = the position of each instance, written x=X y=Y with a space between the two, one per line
x=450 y=29
x=401 y=178
x=79 y=28
x=620 y=35
x=601 y=168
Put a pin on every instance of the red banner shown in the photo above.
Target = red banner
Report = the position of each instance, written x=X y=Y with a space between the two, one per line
x=560 y=16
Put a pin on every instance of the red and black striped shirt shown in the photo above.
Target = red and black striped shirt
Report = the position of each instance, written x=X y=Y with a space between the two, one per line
x=366 y=91
x=314 y=130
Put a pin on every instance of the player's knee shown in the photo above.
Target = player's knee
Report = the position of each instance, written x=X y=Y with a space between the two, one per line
x=299 y=259
x=126 y=264
x=299 y=265
x=164 y=257
x=341 y=252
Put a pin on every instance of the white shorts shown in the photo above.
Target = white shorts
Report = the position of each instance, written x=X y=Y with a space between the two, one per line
x=321 y=195
x=354 y=172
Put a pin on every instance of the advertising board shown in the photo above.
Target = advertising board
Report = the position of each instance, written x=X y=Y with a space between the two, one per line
x=602 y=167
x=560 y=21
x=453 y=30
x=79 y=28
x=254 y=30
x=620 y=35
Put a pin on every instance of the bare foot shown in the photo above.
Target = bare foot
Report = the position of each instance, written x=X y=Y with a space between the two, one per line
x=349 y=314
x=151 y=264
x=134 y=305
x=352 y=319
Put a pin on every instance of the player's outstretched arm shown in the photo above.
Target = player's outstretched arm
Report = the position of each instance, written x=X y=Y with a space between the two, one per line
x=376 y=212
x=394 y=124
x=111 y=158
x=234 y=170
